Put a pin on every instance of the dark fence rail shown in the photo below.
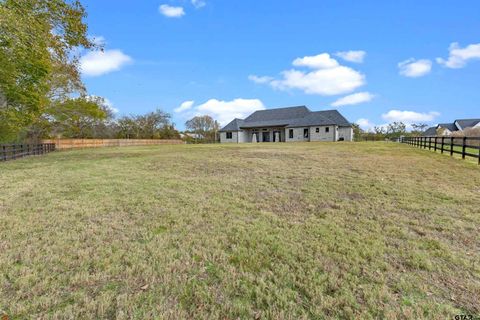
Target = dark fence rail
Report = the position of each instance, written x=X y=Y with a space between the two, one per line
x=464 y=146
x=17 y=151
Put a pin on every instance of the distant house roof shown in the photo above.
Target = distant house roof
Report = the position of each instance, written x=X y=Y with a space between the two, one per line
x=432 y=131
x=467 y=123
x=450 y=126
x=288 y=117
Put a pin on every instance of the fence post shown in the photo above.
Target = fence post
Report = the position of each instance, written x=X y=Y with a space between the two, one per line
x=451 y=146
x=4 y=153
x=435 y=146
x=479 y=154
x=443 y=143
x=464 y=144
x=429 y=143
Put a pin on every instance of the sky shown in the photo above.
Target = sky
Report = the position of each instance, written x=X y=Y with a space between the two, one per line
x=375 y=61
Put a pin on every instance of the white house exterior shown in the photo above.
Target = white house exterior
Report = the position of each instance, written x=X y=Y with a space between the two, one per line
x=293 y=124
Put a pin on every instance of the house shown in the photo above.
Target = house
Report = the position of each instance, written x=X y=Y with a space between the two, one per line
x=446 y=129
x=288 y=125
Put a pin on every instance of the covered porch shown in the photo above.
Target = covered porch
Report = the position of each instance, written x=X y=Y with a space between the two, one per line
x=270 y=134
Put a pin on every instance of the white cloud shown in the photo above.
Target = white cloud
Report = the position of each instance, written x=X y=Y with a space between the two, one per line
x=321 y=61
x=409 y=117
x=170 y=11
x=365 y=124
x=187 y=105
x=199 y=3
x=97 y=63
x=459 y=57
x=225 y=111
x=352 y=99
x=352 y=56
x=260 y=80
x=327 y=78
x=415 y=68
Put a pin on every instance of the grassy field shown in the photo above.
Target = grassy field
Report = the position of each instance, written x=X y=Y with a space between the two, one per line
x=268 y=231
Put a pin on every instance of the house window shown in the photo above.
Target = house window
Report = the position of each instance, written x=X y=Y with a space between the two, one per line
x=317 y=130
x=290 y=134
x=327 y=129
x=229 y=135
x=305 y=133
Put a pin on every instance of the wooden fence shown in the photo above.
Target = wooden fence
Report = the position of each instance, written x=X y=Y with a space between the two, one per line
x=465 y=146
x=17 y=151
x=65 y=144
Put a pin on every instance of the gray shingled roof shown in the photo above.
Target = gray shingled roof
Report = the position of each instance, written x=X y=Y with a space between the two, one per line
x=321 y=118
x=467 y=123
x=234 y=125
x=288 y=117
x=432 y=131
x=450 y=126
x=278 y=114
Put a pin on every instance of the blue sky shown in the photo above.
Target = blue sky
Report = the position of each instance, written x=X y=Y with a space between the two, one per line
x=375 y=61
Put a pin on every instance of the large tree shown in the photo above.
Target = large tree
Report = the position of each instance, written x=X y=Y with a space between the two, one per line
x=38 y=42
x=396 y=129
x=78 y=117
x=204 y=125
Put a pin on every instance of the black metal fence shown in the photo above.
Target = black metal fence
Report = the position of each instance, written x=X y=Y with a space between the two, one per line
x=17 y=151
x=464 y=146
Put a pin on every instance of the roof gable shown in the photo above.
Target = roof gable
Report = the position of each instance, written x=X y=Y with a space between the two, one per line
x=234 y=125
x=450 y=126
x=467 y=123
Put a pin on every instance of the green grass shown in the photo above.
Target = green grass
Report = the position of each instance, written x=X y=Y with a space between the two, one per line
x=271 y=231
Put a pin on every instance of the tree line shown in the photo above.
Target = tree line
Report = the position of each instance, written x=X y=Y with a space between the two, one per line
x=393 y=130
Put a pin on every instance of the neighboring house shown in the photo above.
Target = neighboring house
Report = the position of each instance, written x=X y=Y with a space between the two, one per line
x=446 y=129
x=288 y=125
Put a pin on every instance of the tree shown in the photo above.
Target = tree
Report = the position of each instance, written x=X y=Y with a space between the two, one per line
x=153 y=125
x=418 y=128
x=357 y=132
x=38 y=41
x=78 y=118
x=205 y=126
x=396 y=129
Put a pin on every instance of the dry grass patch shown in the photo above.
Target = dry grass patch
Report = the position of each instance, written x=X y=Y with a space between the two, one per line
x=279 y=231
